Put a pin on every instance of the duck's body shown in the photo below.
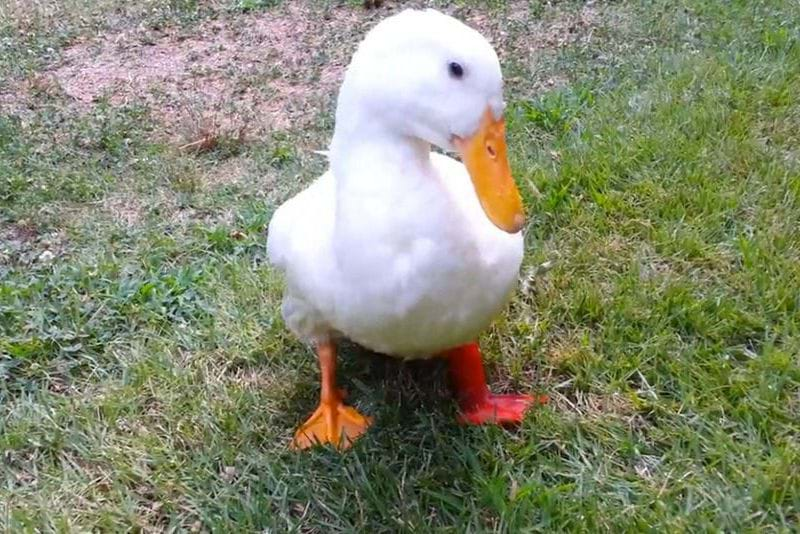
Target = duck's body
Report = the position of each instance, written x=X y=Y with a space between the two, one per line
x=404 y=251
x=409 y=279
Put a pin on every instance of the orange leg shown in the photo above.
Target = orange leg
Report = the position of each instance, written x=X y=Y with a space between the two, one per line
x=478 y=405
x=332 y=422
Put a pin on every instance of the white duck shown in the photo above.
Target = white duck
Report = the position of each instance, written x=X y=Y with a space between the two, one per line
x=405 y=251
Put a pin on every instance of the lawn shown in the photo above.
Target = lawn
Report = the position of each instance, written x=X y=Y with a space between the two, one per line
x=147 y=382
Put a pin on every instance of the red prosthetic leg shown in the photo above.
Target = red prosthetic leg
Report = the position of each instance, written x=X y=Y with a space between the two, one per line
x=478 y=405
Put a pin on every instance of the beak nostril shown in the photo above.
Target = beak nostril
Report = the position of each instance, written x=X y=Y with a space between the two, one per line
x=491 y=151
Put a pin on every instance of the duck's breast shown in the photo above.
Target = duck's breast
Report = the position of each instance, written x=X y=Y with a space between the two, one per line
x=433 y=279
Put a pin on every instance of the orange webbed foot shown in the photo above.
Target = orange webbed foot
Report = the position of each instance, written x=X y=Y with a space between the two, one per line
x=477 y=404
x=499 y=409
x=332 y=423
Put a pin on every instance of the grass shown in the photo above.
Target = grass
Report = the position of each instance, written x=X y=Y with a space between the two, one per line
x=148 y=382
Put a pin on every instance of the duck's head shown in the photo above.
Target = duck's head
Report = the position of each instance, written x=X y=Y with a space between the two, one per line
x=427 y=76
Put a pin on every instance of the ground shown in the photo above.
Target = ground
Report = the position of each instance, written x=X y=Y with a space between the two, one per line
x=148 y=382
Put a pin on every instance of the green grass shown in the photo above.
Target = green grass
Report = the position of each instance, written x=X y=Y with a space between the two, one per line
x=147 y=381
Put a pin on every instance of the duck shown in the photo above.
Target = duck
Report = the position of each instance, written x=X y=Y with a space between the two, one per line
x=399 y=247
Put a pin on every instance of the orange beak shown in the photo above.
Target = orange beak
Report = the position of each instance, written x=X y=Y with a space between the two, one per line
x=484 y=155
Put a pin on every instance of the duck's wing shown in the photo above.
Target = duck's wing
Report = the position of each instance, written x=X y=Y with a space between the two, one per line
x=299 y=244
x=300 y=228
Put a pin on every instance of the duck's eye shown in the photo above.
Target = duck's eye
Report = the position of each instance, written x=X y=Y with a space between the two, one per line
x=456 y=70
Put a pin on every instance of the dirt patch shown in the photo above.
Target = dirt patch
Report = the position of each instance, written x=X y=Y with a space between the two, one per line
x=22 y=231
x=125 y=209
x=275 y=69
x=518 y=29
x=232 y=171
x=266 y=71
x=21 y=97
x=526 y=38
x=23 y=244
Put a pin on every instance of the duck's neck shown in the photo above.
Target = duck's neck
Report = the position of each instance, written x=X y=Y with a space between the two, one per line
x=369 y=158
x=387 y=189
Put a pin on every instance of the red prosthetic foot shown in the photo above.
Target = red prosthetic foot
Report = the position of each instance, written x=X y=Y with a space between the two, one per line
x=478 y=405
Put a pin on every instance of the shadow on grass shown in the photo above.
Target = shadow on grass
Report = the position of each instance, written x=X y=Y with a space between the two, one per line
x=400 y=395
